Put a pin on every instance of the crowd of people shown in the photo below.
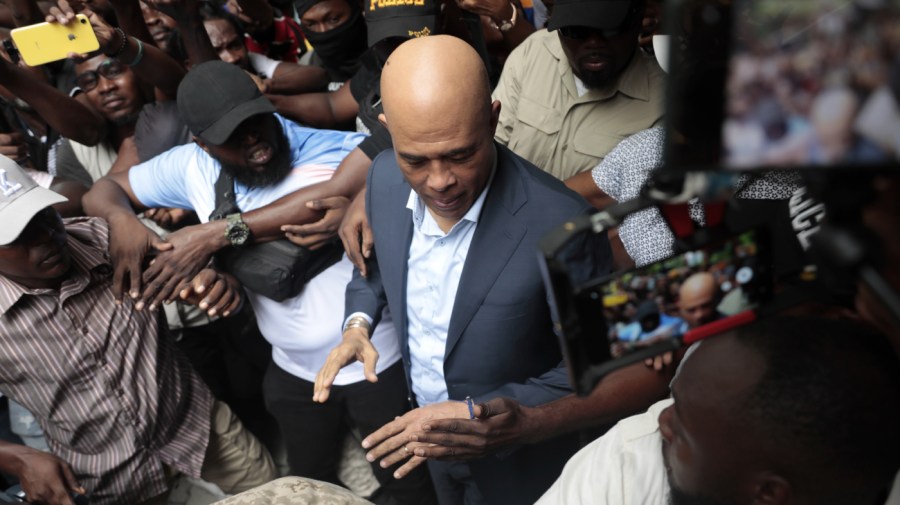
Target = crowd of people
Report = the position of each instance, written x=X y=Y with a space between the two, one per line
x=242 y=230
x=666 y=300
x=813 y=88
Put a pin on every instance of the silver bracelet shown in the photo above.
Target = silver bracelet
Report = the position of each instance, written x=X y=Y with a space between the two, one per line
x=358 y=322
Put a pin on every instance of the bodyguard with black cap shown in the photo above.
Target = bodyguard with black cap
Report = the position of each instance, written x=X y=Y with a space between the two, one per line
x=572 y=93
x=237 y=135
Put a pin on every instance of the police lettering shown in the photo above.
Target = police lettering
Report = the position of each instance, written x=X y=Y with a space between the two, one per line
x=424 y=32
x=395 y=3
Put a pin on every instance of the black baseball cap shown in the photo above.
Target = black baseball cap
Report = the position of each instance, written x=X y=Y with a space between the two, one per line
x=215 y=97
x=599 y=14
x=400 y=18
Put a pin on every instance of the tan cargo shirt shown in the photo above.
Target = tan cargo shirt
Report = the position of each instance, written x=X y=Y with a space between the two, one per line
x=543 y=119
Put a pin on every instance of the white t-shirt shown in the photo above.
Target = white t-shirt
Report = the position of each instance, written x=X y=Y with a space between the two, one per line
x=623 y=467
x=302 y=329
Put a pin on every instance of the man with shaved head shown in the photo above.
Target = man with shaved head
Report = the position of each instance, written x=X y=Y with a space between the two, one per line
x=698 y=299
x=456 y=220
x=785 y=411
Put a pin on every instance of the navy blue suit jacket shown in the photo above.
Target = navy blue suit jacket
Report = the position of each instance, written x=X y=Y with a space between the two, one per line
x=500 y=341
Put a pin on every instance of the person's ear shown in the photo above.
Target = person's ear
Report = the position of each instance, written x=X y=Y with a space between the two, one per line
x=382 y=119
x=771 y=489
x=495 y=116
x=200 y=143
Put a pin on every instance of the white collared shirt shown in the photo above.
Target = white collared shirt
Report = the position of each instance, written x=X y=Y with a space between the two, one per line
x=435 y=264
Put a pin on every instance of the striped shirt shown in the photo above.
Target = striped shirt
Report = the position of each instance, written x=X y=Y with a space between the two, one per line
x=115 y=400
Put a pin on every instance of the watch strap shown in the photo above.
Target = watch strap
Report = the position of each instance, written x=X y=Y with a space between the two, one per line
x=508 y=24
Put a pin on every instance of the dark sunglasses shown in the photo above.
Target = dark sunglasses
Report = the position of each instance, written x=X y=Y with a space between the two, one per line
x=583 y=32
x=109 y=69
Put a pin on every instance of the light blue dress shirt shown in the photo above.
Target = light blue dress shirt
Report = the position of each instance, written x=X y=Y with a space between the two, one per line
x=435 y=263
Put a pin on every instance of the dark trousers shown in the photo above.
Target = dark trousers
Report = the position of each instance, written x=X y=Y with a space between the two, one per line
x=231 y=356
x=454 y=483
x=313 y=433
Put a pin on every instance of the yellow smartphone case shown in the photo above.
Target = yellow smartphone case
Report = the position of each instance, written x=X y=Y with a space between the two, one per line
x=45 y=42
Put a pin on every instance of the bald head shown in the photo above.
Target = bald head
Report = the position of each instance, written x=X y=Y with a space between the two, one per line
x=437 y=106
x=833 y=114
x=697 y=299
x=440 y=78
x=750 y=403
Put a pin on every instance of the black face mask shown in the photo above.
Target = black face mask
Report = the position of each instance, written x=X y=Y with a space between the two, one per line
x=340 y=47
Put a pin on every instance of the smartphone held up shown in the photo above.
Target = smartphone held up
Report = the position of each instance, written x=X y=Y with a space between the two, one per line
x=46 y=42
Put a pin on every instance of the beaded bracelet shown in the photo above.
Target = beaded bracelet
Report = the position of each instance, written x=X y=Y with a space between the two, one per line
x=140 y=52
x=121 y=48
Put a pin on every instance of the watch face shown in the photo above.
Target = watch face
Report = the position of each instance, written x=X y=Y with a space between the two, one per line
x=236 y=231
x=237 y=235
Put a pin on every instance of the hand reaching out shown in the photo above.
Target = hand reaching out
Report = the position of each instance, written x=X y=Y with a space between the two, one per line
x=215 y=292
x=355 y=346
x=45 y=479
x=188 y=253
x=499 y=423
x=315 y=235
x=356 y=234
x=393 y=443
x=130 y=243
x=64 y=13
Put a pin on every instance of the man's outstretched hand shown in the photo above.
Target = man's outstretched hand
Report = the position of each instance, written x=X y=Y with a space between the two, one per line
x=315 y=235
x=392 y=443
x=129 y=244
x=356 y=234
x=218 y=293
x=189 y=251
x=499 y=422
x=45 y=479
x=355 y=346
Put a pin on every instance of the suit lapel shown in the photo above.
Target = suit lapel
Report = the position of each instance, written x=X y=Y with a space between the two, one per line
x=399 y=229
x=496 y=238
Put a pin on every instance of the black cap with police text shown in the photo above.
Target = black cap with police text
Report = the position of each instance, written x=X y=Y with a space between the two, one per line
x=400 y=18
x=599 y=14
x=20 y=200
x=215 y=97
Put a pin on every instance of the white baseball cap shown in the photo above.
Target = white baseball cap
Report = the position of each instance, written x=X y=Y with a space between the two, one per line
x=20 y=200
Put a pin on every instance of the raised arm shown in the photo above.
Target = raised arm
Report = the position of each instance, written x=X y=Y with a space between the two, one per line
x=25 y=12
x=256 y=15
x=291 y=78
x=503 y=14
x=130 y=241
x=131 y=19
x=319 y=110
x=68 y=116
x=187 y=14
x=150 y=63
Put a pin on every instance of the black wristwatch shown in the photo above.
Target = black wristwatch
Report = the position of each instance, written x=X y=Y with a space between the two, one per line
x=236 y=230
